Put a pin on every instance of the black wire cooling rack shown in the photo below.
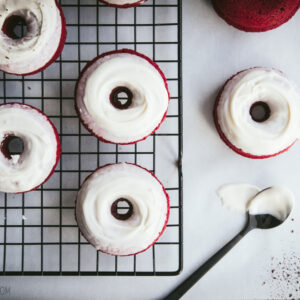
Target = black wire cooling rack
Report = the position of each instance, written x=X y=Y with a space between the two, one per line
x=38 y=232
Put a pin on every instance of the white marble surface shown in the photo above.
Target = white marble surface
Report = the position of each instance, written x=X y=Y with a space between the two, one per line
x=212 y=52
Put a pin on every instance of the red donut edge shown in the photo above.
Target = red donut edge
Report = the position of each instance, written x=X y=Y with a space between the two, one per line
x=58 y=149
x=60 y=47
x=154 y=64
x=167 y=215
x=124 y=5
x=250 y=29
x=224 y=138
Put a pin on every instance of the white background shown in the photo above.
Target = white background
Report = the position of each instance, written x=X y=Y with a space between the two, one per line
x=212 y=52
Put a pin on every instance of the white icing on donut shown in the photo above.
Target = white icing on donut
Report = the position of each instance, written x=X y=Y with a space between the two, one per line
x=149 y=103
x=26 y=171
x=102 y=189
x=275 y=134
x=123 y=2
x=37 y=48
x=277 y=201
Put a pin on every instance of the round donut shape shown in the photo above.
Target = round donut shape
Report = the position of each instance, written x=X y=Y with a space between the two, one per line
x=123 y=3
x=256 y=15
x=122 y=97
x=29 y=148
x=39 y=43
x=257 y=113
x=122 y=209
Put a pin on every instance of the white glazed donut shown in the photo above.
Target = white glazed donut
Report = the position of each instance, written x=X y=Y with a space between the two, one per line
x=133 y=74
x=43 y=42
x=257 y=113
x=104 y=226
x=24 y=172
x=123 y=3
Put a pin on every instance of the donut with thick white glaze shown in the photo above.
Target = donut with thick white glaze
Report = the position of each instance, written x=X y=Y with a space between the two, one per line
x=257 y=113
x=143 y=86
x=42 y=42
x=26 y=170
x=145 y=209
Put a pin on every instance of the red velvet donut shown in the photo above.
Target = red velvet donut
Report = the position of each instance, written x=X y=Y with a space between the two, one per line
x=115 y=73
x=256 y=15
x=132 y=229
x=31 y=166
x=251 y=133
x=42 y=42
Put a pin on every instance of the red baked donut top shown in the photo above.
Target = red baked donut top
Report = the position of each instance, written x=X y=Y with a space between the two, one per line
x=256 y=15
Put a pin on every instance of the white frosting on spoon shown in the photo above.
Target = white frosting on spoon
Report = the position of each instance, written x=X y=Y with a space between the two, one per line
x=276 y=201
x=35 y=49
x=271 y=136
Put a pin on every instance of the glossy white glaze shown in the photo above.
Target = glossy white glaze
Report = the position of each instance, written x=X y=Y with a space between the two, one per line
x=24 y=172
x=275 y=134
x=35 y=49
x=102 y=189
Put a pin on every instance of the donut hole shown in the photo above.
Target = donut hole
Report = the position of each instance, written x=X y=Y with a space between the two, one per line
x=15 y=27
x=12 y=145
x=121 y=97
x=122 y=209
x=260 y=111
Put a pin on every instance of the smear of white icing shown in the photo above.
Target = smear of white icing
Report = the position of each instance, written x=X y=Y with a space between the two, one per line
x=237 y=196
x=276 y=201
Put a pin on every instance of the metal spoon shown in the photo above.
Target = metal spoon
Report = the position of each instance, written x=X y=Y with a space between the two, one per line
x=253 y=222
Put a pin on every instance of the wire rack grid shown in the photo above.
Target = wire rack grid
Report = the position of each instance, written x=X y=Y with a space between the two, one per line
x=38 y=231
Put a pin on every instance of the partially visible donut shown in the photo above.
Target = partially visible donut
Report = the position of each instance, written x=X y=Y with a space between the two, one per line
x=256 y=15
x=20 y=173
x=141 y=82
x=123 y=3
x=138 y=225
x=42 y=42
x=257 y=113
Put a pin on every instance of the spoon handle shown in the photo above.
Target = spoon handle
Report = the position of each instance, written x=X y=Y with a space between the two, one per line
x=201 y=271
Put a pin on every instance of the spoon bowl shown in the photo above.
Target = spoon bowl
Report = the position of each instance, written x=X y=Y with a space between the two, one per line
x=266 y=221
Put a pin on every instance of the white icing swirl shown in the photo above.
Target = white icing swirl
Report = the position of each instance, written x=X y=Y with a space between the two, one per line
x=277 y=201
x=37 y=48
x=25 y=172
x=102 y=189
x=149 y=102
x=275 y=134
